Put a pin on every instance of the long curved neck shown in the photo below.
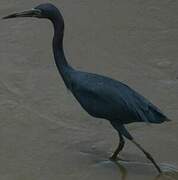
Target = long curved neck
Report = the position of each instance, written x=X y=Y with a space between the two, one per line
x=58 y=52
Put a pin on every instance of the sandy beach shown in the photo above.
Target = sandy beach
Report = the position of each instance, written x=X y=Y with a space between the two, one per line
x=44 y=133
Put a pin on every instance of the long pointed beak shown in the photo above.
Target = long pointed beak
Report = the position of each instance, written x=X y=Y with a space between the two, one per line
x=28 y=13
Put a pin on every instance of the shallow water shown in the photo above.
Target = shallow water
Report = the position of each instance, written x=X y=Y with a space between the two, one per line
x=44 y=133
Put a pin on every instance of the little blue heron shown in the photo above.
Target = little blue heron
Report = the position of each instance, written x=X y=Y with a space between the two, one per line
x=100 y=96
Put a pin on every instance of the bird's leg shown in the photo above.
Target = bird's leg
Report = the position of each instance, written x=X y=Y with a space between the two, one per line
x=124 y=131
x=147 y=155
x=119 y=148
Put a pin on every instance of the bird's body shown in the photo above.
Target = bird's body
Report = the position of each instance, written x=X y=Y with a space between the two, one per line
x=100 y=96
x=103 y=97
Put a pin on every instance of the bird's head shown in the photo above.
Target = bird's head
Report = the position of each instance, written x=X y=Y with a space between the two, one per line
x=46 y=10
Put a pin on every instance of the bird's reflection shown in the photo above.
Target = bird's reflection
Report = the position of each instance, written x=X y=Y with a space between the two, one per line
x=170 y=172
x=166 y=175
x=122 y=170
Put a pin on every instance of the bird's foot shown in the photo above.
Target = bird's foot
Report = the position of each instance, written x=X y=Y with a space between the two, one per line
x=114 y=158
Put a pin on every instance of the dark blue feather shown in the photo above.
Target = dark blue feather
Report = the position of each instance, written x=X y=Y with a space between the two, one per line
x=104 y=97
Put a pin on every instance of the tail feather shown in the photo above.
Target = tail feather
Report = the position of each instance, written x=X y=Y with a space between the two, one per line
x=157 y=116
x=167 y=119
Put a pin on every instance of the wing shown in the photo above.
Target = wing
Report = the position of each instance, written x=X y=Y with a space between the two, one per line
x=141 y=108
x=110 y=99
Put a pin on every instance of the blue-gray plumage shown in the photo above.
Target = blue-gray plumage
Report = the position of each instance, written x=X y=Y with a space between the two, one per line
x=100 y=96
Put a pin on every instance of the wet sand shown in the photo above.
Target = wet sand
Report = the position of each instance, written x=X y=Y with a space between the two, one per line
x=44 y=133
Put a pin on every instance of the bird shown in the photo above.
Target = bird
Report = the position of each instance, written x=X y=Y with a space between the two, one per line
x=100 y=96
